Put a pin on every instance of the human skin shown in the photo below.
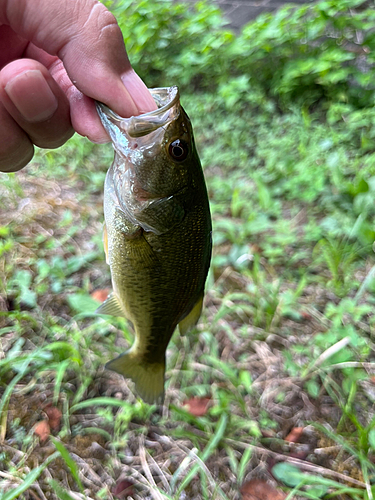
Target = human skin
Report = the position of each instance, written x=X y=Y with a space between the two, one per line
x=56 y=58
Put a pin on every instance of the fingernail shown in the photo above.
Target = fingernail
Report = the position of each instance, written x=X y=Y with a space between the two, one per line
x=32 y=96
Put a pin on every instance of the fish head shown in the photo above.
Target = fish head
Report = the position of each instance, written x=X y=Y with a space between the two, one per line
x=155 y=151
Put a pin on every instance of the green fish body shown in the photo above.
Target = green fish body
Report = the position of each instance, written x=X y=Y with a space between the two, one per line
x=157 y=234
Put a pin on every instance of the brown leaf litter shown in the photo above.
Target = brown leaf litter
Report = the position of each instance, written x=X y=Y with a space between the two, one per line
x=258 y=489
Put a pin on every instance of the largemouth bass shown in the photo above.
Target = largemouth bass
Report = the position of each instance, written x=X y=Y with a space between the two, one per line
x=157 y=234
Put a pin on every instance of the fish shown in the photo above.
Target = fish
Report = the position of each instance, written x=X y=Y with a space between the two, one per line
x=157 y=234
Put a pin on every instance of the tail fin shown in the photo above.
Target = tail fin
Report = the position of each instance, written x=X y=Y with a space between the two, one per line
x=148 y=377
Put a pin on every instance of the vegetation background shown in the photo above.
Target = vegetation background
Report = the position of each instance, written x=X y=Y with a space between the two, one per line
x=277 y=383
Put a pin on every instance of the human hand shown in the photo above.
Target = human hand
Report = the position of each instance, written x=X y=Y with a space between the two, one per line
x=56 y=57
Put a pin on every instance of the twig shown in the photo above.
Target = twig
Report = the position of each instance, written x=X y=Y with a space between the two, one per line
x=154 y=490
x=161 y=473
x=327 y=450
x=39 y=490
x=33 y=494
x=10 y=476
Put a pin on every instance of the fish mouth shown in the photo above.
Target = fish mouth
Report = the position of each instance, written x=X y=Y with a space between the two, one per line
x=167 y=99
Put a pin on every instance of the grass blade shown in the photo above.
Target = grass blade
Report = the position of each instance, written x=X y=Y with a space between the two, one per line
x=5 y=400
x=60 y=371
x=60 y=491
x=243 y=464
x=207 y=452
x=29 y=479
x=99 y=402
x=65 y=455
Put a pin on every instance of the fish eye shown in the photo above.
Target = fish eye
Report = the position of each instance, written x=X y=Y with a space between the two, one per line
x=178 y=149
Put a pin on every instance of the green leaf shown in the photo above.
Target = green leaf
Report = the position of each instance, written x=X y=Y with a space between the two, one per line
x=22 y=280
x=292 y=476
x=82 y=303
x=245 y=379
x=313 y=388
x=288 y=474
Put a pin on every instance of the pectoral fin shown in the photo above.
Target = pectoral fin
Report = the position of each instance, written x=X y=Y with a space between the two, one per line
x=138 y=250
x=192 y=318
x=141 y=253
x=111 y=306
x=161 y=215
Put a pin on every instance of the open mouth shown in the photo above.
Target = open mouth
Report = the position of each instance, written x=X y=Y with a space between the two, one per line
x=166 y=98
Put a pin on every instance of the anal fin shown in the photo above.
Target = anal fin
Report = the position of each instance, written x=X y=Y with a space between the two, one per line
x=192 y=318
x=111 y=306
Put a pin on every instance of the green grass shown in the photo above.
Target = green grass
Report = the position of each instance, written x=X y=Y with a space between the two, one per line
x=285 y=339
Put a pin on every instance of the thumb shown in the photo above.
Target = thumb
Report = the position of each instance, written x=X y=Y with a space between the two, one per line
x=89 y=42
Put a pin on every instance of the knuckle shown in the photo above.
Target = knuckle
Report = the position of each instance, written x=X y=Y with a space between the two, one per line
x=101 y=19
